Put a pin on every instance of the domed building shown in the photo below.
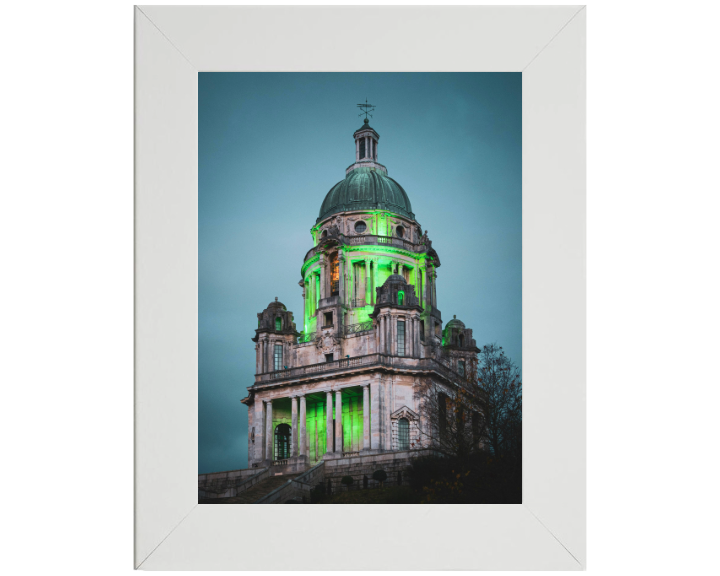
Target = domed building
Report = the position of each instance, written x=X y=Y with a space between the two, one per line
x=340 y=387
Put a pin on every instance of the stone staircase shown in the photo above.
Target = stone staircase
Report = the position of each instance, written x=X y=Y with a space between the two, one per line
x=253 y=494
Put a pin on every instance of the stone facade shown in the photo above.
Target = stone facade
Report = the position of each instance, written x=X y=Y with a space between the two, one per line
x=342 y=389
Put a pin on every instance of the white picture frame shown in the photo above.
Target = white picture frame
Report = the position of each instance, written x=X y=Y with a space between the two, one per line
x=546 y=44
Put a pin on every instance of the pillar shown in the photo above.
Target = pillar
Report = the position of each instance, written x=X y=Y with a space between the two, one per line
x=323 y=274
x=375 y=280
x=366 y=295
x=382 y=335
x=338 y=422
x=259 y=421
x=376 y=416
x=329 y=427
x=341 y=276
x=303 y=430
x=357 y=149
x=294 y=435
x=268 y=431
x=366 y=417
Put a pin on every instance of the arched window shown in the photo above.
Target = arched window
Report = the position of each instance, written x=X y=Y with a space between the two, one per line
x=401 y=298
x=461 y=340
x=403 y=434
x=282 y=441
x=278 y=323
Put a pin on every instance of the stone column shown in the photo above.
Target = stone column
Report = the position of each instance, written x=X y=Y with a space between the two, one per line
x=264 y=354
x=381 y=331
x=341 y=277
x=323 y=274
x=367 y=281
x=268 y=431
x=392 y=339
x=259 y=421
x=270 y=364
x=329 y=431
x=303 y=430
x=338 y=422
x=376 y=416
x=294 y=436
x=366 y=417
x=258 y=363
x=375 y=281
x=357 y=149
x=409 y=342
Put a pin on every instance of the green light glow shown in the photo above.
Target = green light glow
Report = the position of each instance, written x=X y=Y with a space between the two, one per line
x=401 y=298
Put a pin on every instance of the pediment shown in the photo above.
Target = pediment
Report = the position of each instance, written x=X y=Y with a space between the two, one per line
x=404 y=412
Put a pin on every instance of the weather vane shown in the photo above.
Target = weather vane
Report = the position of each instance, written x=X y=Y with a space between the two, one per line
x=366 y=109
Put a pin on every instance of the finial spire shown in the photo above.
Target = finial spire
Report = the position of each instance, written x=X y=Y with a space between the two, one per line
x=275 y=298
x=366 y=109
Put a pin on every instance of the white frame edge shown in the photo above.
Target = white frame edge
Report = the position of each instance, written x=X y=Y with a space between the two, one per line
x=173 y=43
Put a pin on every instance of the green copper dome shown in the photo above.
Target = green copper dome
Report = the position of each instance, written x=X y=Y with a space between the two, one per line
x=366 y=189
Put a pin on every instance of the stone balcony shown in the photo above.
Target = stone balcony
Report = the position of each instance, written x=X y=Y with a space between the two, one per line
x=348 y=366
x=374 y=240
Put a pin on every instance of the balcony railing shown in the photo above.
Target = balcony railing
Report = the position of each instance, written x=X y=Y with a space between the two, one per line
x=360 y=362
x=355 y=328
x=375 y=240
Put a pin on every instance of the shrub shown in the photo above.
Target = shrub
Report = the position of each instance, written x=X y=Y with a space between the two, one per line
x=380 y=476
x=347 y=480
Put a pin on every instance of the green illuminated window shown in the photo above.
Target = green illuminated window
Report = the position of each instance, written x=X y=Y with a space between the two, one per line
x=401 y=338
x=278 y=324
x=403 y=434
x=282 y=441
x=401 y=298
x=422 y=330
x=277 y=357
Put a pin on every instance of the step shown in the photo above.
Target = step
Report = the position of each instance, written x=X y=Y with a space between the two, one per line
x=252 y=495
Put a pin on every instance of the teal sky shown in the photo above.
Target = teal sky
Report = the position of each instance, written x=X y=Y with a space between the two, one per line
x=271 y=145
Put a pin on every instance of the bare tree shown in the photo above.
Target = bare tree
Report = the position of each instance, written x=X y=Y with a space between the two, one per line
x=499 y=379
x=451 y=414
x=480 y=411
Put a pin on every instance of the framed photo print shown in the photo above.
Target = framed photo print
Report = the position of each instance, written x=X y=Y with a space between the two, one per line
x=360 y=287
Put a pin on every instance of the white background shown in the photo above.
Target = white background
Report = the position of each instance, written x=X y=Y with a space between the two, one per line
x=653 y=126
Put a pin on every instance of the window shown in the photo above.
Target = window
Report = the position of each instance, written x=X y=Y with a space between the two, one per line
x=277 y=357
x=328 y=357
x=422 y=330
x=400 y=231
x=362 y=148
x=334 y=275
x=403 y=434
x=401 y=338
x=324 y=234
x=461 y=367
x=442 y=414
x=401 y=298
x=360 y=227
x=278 y=323
x=282 y=441
x=461 y=340
x=328 y=319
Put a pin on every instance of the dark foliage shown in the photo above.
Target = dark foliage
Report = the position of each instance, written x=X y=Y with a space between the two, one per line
x=380 y=476
x=480 y=478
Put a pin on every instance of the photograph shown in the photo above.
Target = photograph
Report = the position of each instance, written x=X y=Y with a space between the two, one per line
x=360 y=288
